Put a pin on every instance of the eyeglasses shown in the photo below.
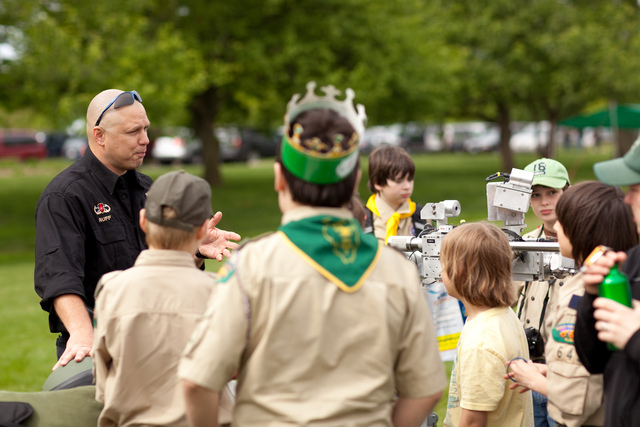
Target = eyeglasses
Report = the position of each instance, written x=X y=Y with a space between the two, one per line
x=121 y=101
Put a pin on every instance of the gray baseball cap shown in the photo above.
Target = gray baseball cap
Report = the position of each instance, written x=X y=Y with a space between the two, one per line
x=621 y=171
x=187 y=194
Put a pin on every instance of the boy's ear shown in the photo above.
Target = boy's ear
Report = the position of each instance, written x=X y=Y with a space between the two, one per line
x=202 y=230
x=378 y=187
x=279 y=182
x=143 y=220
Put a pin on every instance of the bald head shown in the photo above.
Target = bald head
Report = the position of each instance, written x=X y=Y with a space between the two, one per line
x=97 y=106
x=120 y=140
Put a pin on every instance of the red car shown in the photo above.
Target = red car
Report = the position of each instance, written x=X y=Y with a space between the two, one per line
x=22 y=144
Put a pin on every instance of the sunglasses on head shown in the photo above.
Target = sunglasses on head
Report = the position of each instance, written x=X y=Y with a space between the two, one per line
x=121 y=101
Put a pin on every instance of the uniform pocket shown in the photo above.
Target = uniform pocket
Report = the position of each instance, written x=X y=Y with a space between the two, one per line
x=571 y=388
x=109 y=233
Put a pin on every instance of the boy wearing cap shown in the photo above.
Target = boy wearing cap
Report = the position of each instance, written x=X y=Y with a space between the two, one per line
x=601 y=321
x=538 y=299
x=144 y=315
x=323 y=324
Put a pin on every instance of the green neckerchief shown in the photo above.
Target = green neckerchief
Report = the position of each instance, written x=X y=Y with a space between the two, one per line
x=336 y=247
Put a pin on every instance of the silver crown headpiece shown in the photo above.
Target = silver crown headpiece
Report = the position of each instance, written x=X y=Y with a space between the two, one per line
x=356 y=116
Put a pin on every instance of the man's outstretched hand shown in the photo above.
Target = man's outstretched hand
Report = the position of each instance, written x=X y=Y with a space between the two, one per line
x=218 y=243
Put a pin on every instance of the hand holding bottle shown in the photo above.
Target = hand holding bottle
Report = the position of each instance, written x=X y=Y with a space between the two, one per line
x=594 y=271
x=616 y=321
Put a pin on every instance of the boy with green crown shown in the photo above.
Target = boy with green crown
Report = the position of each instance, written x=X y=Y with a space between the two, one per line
x=323 y=324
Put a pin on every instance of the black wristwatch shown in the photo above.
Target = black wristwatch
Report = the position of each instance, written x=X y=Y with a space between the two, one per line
x=199 y=255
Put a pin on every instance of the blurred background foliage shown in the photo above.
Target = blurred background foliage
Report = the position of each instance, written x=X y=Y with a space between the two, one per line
x=198 y=63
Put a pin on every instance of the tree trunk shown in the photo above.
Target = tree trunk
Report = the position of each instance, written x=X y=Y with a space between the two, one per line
x=626 y=138
x=550 y=150
x=204 y=110
x=504 y=121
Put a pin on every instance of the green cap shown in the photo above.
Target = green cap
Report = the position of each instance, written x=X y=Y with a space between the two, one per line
x=187 y=194
x=548 y=173
x=621 y=171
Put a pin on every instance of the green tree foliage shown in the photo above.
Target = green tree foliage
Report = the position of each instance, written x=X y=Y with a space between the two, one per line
x=541 y=59
x=222 y=62
x=72 y=49
x=258 y=53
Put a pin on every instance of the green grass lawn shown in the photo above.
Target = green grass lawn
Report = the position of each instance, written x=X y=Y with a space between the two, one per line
x=250 y=208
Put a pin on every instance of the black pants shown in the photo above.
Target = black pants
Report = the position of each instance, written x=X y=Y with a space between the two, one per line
x=61 y=344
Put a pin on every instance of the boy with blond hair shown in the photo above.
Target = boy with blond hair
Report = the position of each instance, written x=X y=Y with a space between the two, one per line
x=390 y=211
x=144 y=315
x=476 y=269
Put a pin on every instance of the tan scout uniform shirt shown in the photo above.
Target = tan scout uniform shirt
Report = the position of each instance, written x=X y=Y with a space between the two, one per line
x=308 y=352
x=143 y=319
x=575 y=396
x=380 y=222
x=533 y=294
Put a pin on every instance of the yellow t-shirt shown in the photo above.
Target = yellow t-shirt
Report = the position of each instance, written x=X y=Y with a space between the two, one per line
x=487 y=343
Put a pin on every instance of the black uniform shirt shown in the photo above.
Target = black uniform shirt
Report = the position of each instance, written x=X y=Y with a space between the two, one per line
x=87 y=224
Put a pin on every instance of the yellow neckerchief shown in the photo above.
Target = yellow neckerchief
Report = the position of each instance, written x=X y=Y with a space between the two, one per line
x=394 y=220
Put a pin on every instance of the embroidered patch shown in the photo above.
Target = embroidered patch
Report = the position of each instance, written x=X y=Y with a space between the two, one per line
x=344 y=238
x=225 y=272
x=564 y=333
x=101 y=208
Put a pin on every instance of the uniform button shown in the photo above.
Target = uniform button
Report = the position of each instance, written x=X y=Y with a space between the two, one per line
x=528 y=321
x=533 y=298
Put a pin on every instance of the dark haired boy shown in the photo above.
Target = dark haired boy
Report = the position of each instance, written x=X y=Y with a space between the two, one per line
x=144 y=315
x=390 y=211
x=323 y=324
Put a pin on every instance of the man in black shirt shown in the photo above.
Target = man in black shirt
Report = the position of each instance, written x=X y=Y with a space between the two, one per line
x=600 y=321
x=87 y=220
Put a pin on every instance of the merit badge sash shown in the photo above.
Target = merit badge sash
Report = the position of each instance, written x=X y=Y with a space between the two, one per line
x=336 y=247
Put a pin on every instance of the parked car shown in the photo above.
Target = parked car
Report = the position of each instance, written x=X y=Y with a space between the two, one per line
x=488 y=140
x=420 y=137
x=176 y=144
x=456 y=133
x=243 y=143
x=22 y=144
x=530 y=138
x=74 y=147
x=376 y=136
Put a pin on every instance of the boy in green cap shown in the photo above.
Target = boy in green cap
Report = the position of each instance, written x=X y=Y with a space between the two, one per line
x=322 y=323
x=537 y=300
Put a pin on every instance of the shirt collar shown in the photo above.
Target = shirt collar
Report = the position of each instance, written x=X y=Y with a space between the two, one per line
x=296 y=214
x=386 y=211
x=165 y=257
x=104 y=174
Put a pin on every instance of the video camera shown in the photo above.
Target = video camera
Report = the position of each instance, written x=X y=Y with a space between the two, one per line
x=507 y=201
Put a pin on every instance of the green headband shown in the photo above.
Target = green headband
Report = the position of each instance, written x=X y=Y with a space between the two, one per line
x=314 y=169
